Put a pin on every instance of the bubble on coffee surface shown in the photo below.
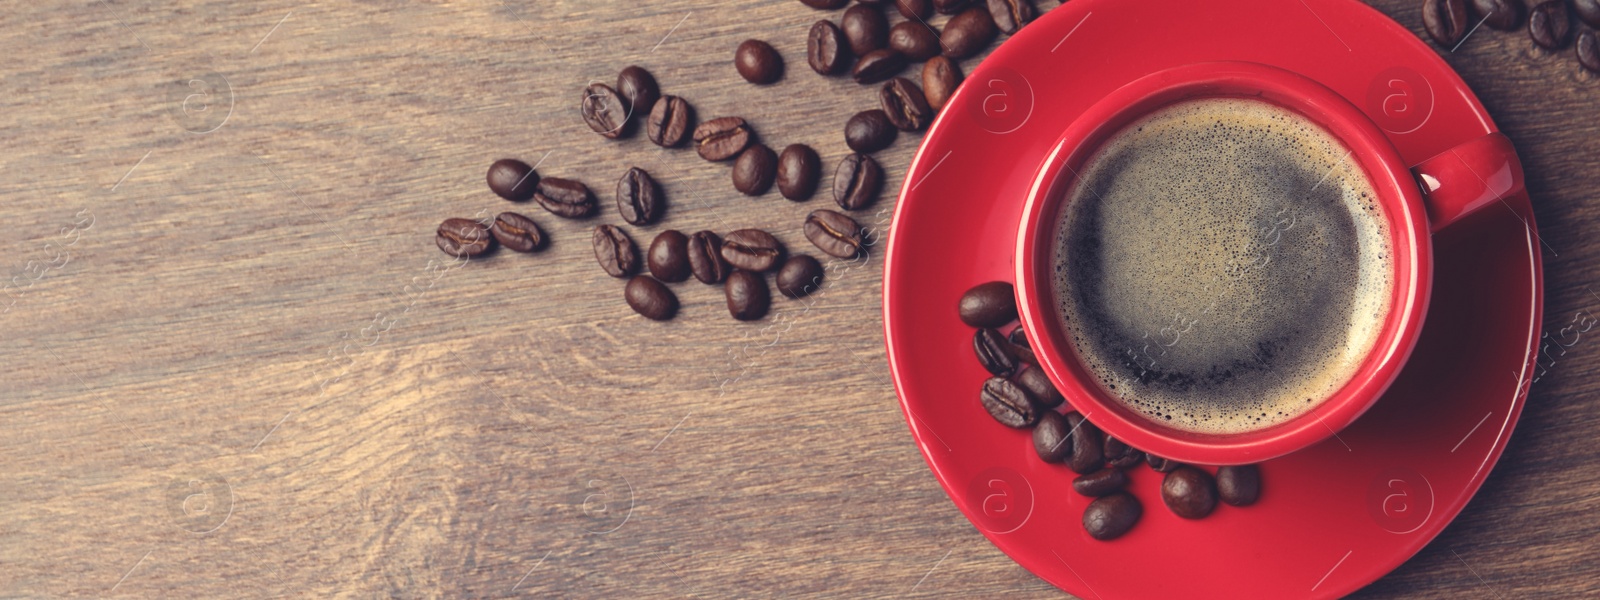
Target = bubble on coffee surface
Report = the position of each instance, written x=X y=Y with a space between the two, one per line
x=1222 y=265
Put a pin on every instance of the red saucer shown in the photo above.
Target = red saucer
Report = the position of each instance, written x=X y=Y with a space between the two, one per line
x=1332 y=518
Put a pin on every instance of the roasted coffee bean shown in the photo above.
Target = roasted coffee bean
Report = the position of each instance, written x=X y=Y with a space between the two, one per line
x=799 y=276
x=1008 y=403
x=757 y=62
x=915 y=39
x=968 y=33
x=1025 y=355
x=1589 y=50
x=950 y=7
x=639 y=88
x=1189 y=492
x=748 y=298
x=857 y=181
x=669 y=121
x=1549 y=25
x=866 y=28
x=940 y=78
x=869 y=131
x=1504 y=15
x=517 y=232
x=705 y=257
x=878 y=65
x=604 y=110
x=1239 y=485
x=512 y=179
x=565 y=197
x=1100 y=483
x=915 y=10
x=990 y=304
x=824 y=4
x=1588 y=11
x=650 y=298
x=615 y=251
x=1087 y=450
x=994 y=352
x=668 y=258
x=827 y=50
x=1052 y=437
x=463 y=238
x=639 y=199
x=799 y=168
x=1159 y=464
x=754 y=170
x=834 y=233
x=1038 y=384
x=1121 y=455
x=1108 y=517
x=721 y=138
x=751 y=250
x=904 y=104
x=1445 y=20
x=1019 y=337
x=1011 y=15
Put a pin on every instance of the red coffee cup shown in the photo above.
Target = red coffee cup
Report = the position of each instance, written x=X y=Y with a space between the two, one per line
x=1416 y=200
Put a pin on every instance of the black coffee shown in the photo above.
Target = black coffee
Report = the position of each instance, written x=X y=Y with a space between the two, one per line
x=1222 y=265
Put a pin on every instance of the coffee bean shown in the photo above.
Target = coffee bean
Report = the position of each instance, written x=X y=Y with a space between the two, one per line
x=878 y=65
x=834 y=233
x=915 y=10
x=1589 y=50
x=869 y=131
x=754 y=170
x=705 y=257
x=1019 y=337
x=721 y=138
x=827 y=50
x=1087 y=450
x=512 y=179
x=1011 y=15
x=1504 y=15
x=639 y=199
x=604 y=110
x=1159 y=464
x=940 y=78
x=1100 y=483
x=1121 y=455
x=751 y=250
x=990 y=304
x=904 y=104
x=1189 y=492
x=949 y=7
x=669 y=121
x=915 y=39
x=517 y=232
x=1038 y=384
x=1445 y=20
x=463 y=238
x=799 y=276
x=968 y=33
x=748 y=298
x=668 y=258
x=615 y=251
x=1549 y=25
x=1052 y=439
x=757 y=62
x=1110 y=516
x=994 y=352
x=824 y=4
x=799 y=168
x=1239 y=485
x=639 y=88
x=865 y=27
x=1008 y=403
x=650 y=298
x=565 y=197
x=1025 y=355
x=1588 y=11
x=857 y=181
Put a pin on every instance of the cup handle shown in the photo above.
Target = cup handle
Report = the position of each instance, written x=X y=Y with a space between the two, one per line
x=1468 y=177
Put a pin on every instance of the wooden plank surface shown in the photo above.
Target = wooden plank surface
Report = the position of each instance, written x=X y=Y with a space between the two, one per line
x=235 y=366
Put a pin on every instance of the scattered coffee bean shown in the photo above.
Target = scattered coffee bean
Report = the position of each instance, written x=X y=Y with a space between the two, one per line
x=915 y=39
x=1052 y=439
x=857 y=181
x=1549 y=25
x=668 y=258
x=565 y=197
x=668 y=125
x=757 y=62
x=754 y=170
x=748 y=298
x=751 y=250
x=994 y=352
x=1019 y=337
x=1121 y=455
x=1189 y=492
x=915 y=10
x=834 y=233
x=865 y=27
x=517 y=232
x=878 y=65
x=1588 y=11
x=940 y=78
x=827 y=50
x=990 y=304
x=1038 y=384
x=1025 y=355
x=799 y=276
x=638 y=87
x=1100 y=483
x=824 y=4
x=904 y=104
x=1110 y=516
x=1239 y=485
x=1159 y=464
x=721 y=138
x=1589 y=50
x=604 y=110
x=869 y=131
x=1445 y=20
x=1011 y=15
x=639 y=199
x=949 y=7
x=968 y=33
x=1087 y=451
x=512 y=179
x=650 y=298
x=1008 y=403
x=799 y=168
x=463 y=238
x=705 y=257
x=615 y=251
x=1504 y=15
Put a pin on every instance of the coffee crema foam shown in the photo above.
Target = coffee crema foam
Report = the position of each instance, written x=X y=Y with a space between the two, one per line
x=1222 y=265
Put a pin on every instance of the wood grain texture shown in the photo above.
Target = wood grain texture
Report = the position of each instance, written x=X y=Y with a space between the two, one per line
x=255 y=319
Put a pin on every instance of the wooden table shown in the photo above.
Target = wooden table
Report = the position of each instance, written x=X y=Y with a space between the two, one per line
x=236 y=366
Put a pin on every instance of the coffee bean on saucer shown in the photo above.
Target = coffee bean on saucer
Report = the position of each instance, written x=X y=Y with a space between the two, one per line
x=650 y=298
x=604 y=110
x=757 y=62
x=1159 y=464
x=869 y=131
x=1038 y=384
x=799 y=169
x=878 y=65
x=751 y=250
x=565 y=197
x=1100 y=483
x=915 y=39
x=799 y=276
x=463 y=238
x=1504 y=15
x=1445 y=20
x=1589 y=50
x=755 y=170
x=1189 y=492
x=516 y=232
x=668 y=258
x=857 y=181
x=991 y=304
x=1087 y=453
x=994 y=352
x=1549 y=25
x=915 y=10
x=1011 y=15
x=639 y=198
x=705 y=257
x=1112 y=515
x=615 y=251
x=904 y=104
x=1019 y=337
x=1588 y=11
x=639 y=88
x=668 y=125
x=968 y=33
x=1239 y=485
x=1008 y=403
x=512 y=179
x=721 y=138
x=940 y=78
x=748 y=298
x=825 y=4
x=827 y=50
x=1121 y=455
x=949 y=7
x=834 y=233
x=1052 y=437
x=866 y=28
